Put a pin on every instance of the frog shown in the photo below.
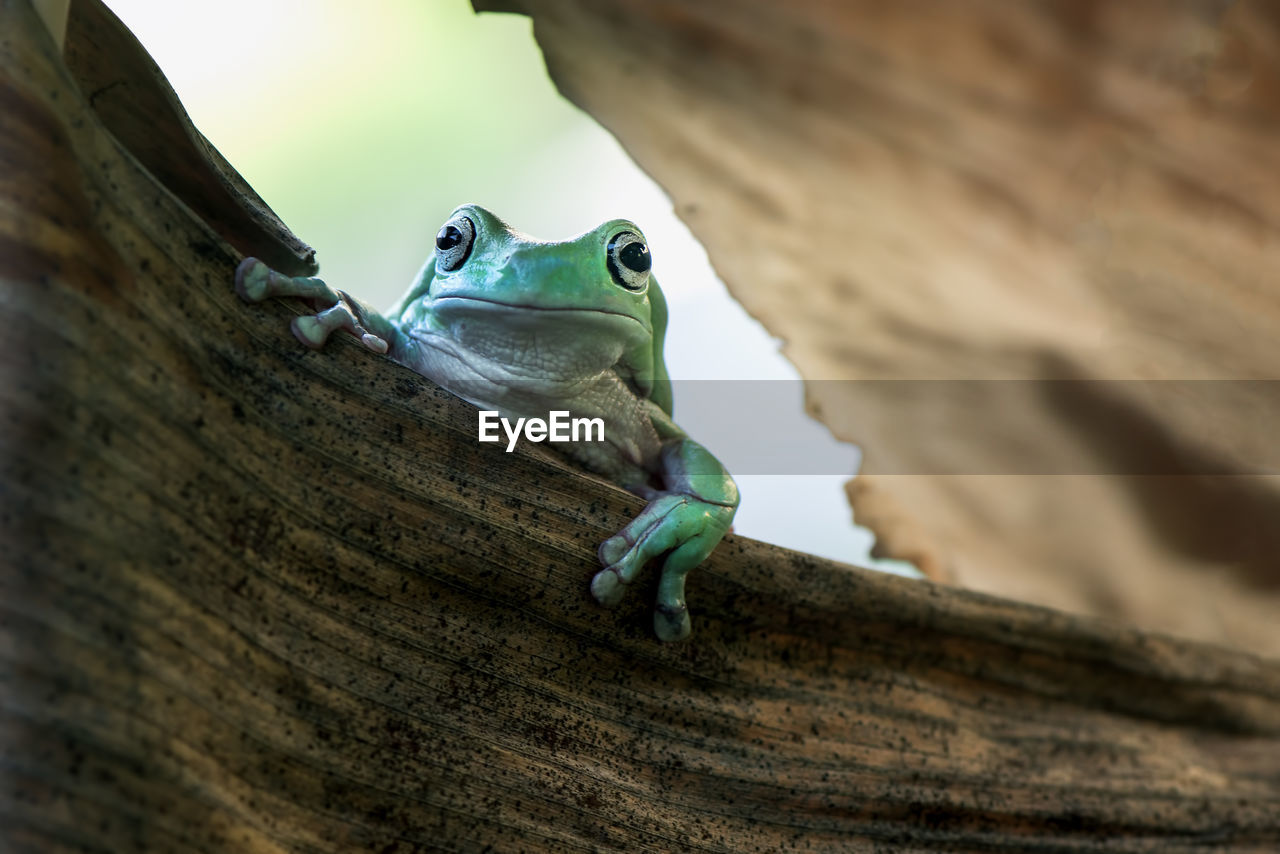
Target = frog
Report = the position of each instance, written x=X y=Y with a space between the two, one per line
x=523 y=327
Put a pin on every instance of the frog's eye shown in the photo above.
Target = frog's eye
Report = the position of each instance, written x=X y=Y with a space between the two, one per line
x=453 y=243
x=629 y=260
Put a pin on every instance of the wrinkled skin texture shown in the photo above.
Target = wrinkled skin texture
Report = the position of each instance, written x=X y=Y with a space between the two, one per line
x=526 y=327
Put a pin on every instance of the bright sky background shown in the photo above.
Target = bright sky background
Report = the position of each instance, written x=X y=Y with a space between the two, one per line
x=364 y=124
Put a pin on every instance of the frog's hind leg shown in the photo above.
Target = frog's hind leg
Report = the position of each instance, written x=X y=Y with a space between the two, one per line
x=685 y=527
x=670 y=523
x=255 y=282
x=685 y=522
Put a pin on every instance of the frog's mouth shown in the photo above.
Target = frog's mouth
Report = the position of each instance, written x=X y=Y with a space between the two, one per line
x=446 y=304
x=535 y=342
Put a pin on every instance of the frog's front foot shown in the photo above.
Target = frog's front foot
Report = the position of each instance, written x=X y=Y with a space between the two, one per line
x=255 y=282
x=685 y=526
x=314 y=329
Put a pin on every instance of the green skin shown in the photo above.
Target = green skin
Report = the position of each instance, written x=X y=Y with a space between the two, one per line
x=525 y=327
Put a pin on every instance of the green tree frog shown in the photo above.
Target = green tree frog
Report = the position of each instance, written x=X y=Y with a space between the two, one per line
x=525 y=327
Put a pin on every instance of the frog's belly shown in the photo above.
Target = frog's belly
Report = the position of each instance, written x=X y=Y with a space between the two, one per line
x=630 y=451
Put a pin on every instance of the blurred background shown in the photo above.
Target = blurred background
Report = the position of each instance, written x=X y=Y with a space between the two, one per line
x=364 y=125
x=1072 y=203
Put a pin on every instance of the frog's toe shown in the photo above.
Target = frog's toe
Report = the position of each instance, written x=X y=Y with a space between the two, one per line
x=253 y=280
x=671 y=616
x=608 y=587
x=310 y=331
x=374 y=343
x=671 y=622
x=622 y=559
x=614 y=549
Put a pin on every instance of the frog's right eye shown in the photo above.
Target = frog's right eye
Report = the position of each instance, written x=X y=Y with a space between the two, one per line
x=627 y=258
x=453 y=243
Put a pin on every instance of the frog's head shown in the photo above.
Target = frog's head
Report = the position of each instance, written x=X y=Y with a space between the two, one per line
x=577 y=306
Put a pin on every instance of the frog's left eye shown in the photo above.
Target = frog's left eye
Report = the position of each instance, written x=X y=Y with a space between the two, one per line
x=629 y=260
x=453 y=243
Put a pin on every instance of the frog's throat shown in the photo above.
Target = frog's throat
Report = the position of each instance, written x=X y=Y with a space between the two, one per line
x=483 y=380
x=522 y=308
